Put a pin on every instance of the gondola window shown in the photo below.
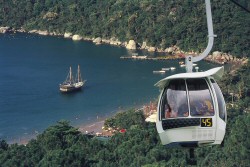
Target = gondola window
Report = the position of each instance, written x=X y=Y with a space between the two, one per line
x=200 y=99
x=174 y=101
x=220 y=99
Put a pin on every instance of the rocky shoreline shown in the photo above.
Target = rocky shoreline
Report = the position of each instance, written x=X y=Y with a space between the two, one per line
x=216 y=57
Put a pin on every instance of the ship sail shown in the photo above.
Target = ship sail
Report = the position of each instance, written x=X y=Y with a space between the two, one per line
x=70 y=84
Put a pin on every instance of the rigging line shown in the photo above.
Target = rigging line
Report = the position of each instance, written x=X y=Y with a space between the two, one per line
x=244 y=8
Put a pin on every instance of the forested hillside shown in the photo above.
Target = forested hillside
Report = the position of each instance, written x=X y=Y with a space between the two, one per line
x=64 y=145
x=160 y=23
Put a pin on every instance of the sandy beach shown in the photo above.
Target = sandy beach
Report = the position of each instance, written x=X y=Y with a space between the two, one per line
x=93 y=128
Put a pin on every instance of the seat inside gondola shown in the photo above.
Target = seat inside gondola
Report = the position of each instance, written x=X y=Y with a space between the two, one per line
x=187 y=98
x=191 y=109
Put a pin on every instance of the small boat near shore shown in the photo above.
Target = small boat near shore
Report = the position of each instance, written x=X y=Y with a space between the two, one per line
x=172 y=68
x=183 y=65
x=159 y=72
x=165 y=69
x=139 y=57
x=70 y=85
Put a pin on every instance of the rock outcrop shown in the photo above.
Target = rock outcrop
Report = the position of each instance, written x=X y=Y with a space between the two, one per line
x=50 y=16
x=114 y=41
x=245 y=61
x=144 y=45
x=151 y=49
x=32 y=31
x=67 y=35
x=223 y=58
x=86 y=38
x=3 y=30
x=76 y=37
x=40 y=32
x=131 y=45
x=217 y=54
x=170 y=50
x=97 y=40
x=215 y=57
x=173 y=50
x=22 y=30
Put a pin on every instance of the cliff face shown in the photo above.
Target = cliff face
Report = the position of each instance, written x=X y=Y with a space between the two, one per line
x=161 y=24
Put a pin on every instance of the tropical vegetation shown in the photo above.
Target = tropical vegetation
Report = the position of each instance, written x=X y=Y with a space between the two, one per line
x=64 y=145
x=160 y=23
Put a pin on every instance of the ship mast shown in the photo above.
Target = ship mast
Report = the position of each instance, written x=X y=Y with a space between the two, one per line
x=70 y=75
x=78 y=74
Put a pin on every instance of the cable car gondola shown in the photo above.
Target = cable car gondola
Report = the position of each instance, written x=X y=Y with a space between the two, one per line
x=191 y=109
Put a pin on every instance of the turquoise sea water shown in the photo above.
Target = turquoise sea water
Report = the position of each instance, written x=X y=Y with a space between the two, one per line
x=32 y=67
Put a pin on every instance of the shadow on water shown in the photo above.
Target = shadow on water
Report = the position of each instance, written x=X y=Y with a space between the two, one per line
x=74 y=93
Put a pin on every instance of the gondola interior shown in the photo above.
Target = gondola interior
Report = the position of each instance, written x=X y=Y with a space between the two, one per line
x=191 y=109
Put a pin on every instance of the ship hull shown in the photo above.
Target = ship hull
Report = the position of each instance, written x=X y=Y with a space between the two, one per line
x=72 y=87
x=69 y=89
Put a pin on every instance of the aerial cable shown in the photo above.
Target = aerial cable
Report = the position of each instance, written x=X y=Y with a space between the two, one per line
x=241 y=6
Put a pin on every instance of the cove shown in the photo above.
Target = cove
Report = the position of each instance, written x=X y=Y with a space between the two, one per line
x=32 y=67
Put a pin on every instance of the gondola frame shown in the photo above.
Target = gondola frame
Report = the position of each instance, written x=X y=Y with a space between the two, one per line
x=194 y=135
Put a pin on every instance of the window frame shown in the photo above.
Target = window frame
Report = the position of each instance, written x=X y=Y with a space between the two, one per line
x=211 y=96
x=219 y=106
x=164 y=94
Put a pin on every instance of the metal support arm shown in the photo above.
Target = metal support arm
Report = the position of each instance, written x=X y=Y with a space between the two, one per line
x=190 y=59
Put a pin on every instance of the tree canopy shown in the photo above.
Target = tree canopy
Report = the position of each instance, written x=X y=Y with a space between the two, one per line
x=159 y=23
x=64 y=145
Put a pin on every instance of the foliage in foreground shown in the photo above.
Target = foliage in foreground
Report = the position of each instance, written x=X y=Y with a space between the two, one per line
x=64 y=145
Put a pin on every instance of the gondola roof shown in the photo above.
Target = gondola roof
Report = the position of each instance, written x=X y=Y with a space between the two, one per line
x=215 y=72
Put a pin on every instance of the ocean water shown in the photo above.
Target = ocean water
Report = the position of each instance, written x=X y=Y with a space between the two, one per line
x=32 y=67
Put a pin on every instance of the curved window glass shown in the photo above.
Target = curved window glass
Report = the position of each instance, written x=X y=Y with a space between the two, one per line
x=199 y=97
x=174 y=100
x=220 y=99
